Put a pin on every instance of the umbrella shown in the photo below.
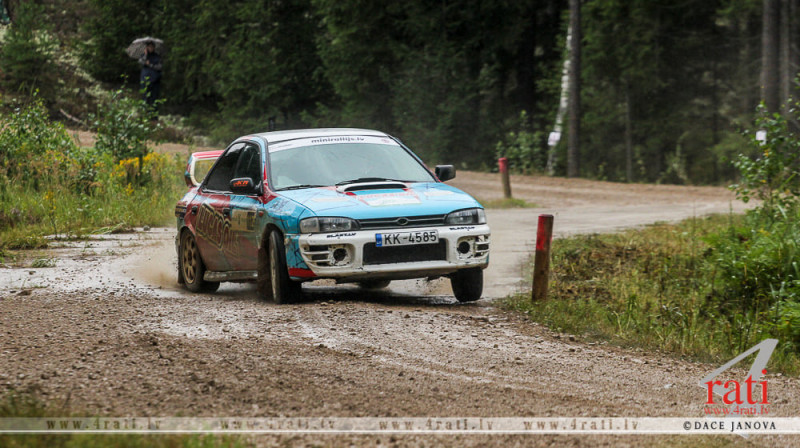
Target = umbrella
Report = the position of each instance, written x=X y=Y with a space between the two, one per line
x=136 y=48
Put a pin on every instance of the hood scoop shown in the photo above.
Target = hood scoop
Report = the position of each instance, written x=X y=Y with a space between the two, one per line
x=360 y=186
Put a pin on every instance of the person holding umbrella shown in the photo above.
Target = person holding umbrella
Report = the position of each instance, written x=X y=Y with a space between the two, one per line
x=146 y=50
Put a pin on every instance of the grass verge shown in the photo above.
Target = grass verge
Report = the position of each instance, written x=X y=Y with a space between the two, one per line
x=506 y=203
x=655 y=288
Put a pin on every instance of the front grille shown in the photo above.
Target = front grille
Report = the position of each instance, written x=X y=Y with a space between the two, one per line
x=404 y=254
x=395 y=223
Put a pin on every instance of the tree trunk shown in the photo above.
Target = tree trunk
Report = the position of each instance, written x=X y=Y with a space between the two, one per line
x=555 y=136
x=628 y=135
x=785 y=55
x=770 y=41
x=574 y=131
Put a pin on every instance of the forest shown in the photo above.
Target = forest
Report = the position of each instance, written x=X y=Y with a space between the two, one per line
x=665 y=88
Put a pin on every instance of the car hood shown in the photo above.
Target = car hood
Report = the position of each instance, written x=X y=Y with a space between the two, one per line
x=423 y=198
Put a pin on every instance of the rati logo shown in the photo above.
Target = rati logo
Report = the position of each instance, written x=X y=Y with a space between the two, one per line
x=740 y=398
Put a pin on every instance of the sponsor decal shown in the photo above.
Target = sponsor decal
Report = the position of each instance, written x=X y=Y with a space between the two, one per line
x=462 y=228
x=340 y=235
x=330 y=141
x=241 y=183
x=212 y=226
x=243 y=220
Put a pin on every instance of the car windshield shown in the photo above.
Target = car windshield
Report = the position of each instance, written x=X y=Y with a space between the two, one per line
x=336 y=160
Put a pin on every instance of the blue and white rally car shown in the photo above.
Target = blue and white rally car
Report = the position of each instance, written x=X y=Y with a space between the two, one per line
x=355 y=205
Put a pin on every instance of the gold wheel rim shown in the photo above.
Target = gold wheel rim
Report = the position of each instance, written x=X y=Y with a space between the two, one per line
x=189 y=259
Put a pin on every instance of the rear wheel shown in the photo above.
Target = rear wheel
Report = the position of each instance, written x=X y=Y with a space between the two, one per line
x=284 y=290
x=374 y=284
x=467 y=284
x=191 y=266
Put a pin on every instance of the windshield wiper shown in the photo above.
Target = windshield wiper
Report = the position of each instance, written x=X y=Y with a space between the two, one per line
x=299 y=187
x=368 y=179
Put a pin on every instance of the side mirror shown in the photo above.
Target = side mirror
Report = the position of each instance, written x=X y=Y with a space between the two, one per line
x=445 y=172
x=243 y=185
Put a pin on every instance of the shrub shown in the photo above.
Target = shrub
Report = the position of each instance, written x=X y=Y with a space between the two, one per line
x=49 y=185
x=523 y=148
x=124 y=127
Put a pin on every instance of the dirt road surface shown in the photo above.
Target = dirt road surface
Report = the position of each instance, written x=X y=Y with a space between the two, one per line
x=108 y=332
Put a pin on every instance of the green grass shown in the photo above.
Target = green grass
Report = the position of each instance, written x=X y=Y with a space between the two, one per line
x=15 y=404
x=507 y=203
x=44 y=263
x=655 y=288
x=29 y=214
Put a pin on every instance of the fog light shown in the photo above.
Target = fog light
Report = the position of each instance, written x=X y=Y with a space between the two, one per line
x=339 y=254
x=463 y=248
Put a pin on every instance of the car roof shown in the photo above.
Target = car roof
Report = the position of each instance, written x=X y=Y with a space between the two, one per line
x=282 y=136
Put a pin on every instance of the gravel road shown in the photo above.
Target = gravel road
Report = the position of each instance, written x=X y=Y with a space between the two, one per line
x=108 y=332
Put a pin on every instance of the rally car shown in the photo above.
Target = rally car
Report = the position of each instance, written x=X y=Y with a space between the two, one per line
x=354 y=205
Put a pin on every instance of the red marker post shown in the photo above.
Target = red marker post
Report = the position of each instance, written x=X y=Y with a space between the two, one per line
x=502 y=163
x=541 y=263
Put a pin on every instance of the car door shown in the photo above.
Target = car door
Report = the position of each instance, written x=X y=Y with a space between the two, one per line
x=213 y=230
x=244 y=209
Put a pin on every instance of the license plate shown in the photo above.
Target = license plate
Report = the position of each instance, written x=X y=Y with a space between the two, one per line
x=406 y=238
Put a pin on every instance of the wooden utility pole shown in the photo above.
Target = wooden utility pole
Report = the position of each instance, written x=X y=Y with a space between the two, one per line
x=770 y=66
x=574 y=107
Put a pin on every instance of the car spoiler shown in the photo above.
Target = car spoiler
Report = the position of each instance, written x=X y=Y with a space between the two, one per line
x=198 y=166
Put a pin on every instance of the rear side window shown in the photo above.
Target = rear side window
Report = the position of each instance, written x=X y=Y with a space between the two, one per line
x=219 y=178
x=249 y=164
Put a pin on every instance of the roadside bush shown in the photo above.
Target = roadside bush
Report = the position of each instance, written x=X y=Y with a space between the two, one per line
x=125 y=126
x=49 y=185
x=523 y=148
x=759 y=263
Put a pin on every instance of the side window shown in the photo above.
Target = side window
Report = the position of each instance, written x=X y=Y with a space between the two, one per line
x=249 y=164
x=220 y=176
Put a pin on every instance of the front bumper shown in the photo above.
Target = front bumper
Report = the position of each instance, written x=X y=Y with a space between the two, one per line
x=352 y=256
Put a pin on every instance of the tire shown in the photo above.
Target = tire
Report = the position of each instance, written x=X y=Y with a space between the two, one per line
x=284 y=290
x=191 y=266
x=467 y=284
x=264 y=281
x=374 y=284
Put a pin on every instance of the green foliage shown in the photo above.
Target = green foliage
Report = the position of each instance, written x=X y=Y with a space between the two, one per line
x=50 y=186
x=124 y=126
x=26 y=56
x=523 y=148
x=26 y=135
x=758 y=279
x=113 y=25
x=774 y=176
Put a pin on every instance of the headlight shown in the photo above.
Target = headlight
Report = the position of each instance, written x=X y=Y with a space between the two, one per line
x=325 y=224
x=468 y=216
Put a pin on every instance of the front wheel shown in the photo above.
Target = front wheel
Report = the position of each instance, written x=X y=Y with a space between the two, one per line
x=467 y=284
x=284 y=290
x=191 y=267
